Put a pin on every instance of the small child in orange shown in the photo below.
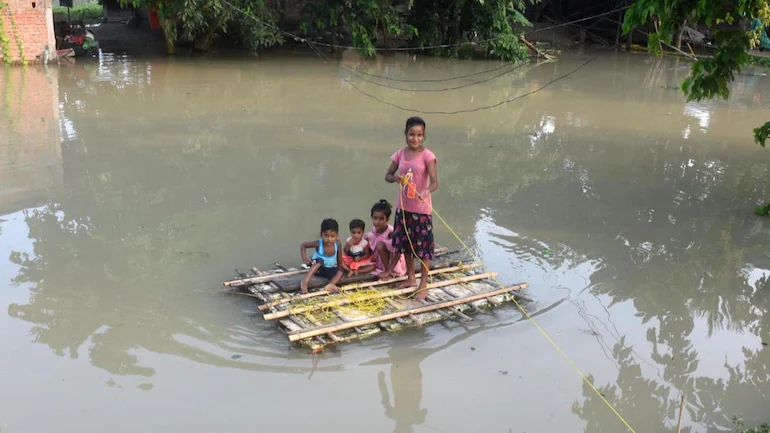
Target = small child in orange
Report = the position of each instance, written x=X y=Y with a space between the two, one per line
x=357 y=253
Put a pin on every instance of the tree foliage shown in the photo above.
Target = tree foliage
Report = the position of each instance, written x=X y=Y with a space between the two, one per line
x=710 y=76
x=450 y=27
x=250 y=21
x=367 y=21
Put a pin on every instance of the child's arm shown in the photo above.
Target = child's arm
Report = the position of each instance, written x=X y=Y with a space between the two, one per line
x=341 y=263
x=310 y=272
x=390 y=176
x=303 y=247
x=346 y=248
x=367 y=252
x=433 y=175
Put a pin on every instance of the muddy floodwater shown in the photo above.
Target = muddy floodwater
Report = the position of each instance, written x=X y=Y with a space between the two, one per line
x=131 y=188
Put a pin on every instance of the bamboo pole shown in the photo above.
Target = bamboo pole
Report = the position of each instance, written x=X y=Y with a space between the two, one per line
x=316 y=322
x=294 y=336
x=233 y=292
x=532 y=47
x=261 y=278
x=383 y=294
x=267 y=277
x=266 y=306
x=681 y=415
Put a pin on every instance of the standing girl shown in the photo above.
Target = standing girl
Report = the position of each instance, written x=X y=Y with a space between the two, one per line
x=414 y=168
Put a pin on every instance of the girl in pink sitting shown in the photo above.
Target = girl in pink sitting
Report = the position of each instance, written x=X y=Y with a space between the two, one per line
x=381 y=242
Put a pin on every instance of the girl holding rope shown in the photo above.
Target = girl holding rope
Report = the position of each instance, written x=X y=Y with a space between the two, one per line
x=414 y=168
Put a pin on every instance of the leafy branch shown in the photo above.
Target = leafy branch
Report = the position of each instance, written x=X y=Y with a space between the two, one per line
x=709 y=77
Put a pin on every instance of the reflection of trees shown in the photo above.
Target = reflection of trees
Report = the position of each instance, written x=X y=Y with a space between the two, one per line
x=138 y=223
x=674 y=235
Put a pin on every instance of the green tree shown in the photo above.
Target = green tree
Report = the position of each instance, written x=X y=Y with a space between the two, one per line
x=462 y=26
x=369 y=22
x=709 y=76
x=249 y=21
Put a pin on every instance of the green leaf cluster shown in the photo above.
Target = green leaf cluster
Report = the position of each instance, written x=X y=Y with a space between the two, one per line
x=454 y=28
x=89 y=14
x=250 y=21
x=367 y=21
x=734 y=36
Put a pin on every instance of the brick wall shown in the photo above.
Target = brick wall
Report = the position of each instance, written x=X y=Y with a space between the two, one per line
x=34 y=23
x=30 y=138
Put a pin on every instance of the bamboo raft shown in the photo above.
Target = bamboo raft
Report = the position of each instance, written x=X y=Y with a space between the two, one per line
x=367 y=306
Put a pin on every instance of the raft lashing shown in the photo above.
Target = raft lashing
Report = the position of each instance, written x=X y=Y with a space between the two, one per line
x=367 y=306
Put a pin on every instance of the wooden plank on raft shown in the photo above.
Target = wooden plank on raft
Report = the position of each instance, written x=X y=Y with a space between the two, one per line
x=292 y=283
x=316 y=322
x=299 y=335
x=459 y=268
x=441 y=313
x=382 y=294
x=267 y=276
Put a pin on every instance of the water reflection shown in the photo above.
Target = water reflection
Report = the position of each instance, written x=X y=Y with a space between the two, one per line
x=171 y=173
x=406 y=384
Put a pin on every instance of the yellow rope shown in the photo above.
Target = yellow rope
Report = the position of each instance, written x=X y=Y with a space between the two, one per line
x=425 y=270
x=526 y=314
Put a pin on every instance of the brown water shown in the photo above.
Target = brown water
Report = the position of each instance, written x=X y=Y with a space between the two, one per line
x=129 y=189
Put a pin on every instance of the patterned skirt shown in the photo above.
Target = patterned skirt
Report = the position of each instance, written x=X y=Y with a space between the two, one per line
x=419 y=228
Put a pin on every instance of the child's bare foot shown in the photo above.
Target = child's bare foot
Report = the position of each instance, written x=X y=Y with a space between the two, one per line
x=349 y=274
x=421 y=294
x=303 y=287
x=407 y=283
x=332 y=288
x=385 y=276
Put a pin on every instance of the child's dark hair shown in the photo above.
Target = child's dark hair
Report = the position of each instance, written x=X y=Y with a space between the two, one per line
x=382 y=206
x=330 y=224
x=357 y=224
x=413 y=121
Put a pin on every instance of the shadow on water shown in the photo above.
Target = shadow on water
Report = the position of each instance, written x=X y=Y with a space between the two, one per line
x=627 y=211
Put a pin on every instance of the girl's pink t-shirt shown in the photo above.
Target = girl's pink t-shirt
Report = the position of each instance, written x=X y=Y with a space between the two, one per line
x=374 y=239
x=419 y=166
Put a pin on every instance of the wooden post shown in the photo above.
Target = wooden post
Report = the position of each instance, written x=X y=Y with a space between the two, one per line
x=629 y=40
x=617 y=33
x=681 y=415
x=299 y=335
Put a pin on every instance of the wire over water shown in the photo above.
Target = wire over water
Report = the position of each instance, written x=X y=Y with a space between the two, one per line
x=472 y=110
x=435 y=80
x=444 y=89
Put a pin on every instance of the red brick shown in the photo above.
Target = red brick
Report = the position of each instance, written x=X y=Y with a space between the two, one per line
x=34 y=26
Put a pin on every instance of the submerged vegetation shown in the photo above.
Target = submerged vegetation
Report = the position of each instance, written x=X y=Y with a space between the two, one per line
x=764 y=428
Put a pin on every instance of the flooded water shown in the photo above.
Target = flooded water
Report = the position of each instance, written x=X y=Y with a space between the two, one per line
x=131 y=188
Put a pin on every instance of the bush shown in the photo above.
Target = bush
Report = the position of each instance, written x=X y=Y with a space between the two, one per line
x=90 y=14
